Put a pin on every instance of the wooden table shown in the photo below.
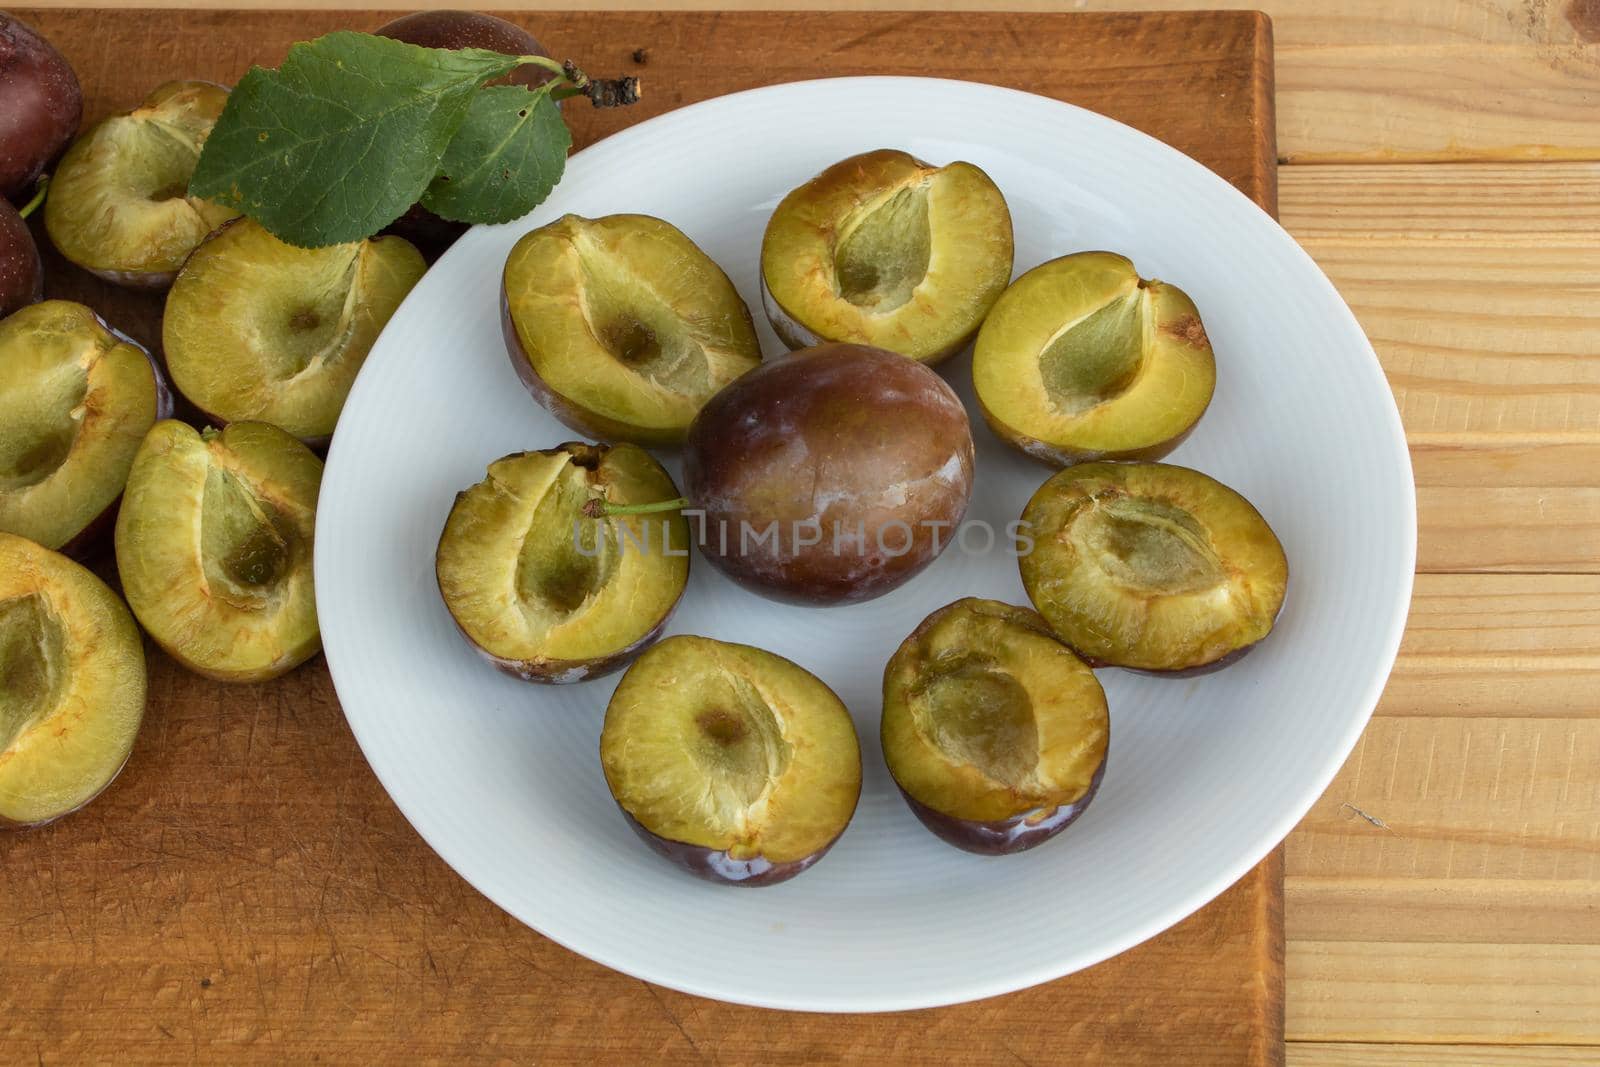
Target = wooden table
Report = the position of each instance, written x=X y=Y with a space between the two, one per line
x=1441 y=160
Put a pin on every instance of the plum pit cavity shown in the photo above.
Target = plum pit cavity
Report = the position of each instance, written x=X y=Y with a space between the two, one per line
x=1092 y=360
x=244 y=552
x=638 y=328
x=737 y=745
x=1151 y=546
x=32 y=651
x=556 y=570
x=883 y=257
x=977 y=713
x=41 y=437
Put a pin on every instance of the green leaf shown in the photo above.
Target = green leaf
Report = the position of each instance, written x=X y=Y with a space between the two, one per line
x=342 y=138
x=504 y=160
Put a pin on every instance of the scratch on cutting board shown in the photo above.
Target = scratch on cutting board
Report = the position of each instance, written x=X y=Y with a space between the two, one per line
x=1371 y=818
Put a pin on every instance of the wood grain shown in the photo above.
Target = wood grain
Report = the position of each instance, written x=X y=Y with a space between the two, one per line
x=1403 y=991
x=1477 y=287
x=1366 y=80
x=246 y=892
x=1499 y=646
x=1365 y=1054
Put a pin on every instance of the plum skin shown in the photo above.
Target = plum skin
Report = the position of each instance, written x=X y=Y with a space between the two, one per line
x=808 y=397
x=715 y=865
x=1056 y=457
x=1004 y=836
x=21 y=271
x=452 y=30
x=43 y=105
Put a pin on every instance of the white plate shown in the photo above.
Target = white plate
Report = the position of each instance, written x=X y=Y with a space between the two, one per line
x=1206 y=774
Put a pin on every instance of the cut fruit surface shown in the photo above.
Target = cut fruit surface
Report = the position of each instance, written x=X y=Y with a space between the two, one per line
x=76 y=398
x=1151 y=566
x=993 y=725
x=214 y=543
x=1083 y=359
x=732 y=761
x=119 y=203
x=72 y=684
x=885 y=250
x=622 y=327
x=257 y=329
x=544 y=591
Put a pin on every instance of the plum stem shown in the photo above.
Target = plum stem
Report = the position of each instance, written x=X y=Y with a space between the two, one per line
x=602 y=92
x=38 y=196
x=600 y=508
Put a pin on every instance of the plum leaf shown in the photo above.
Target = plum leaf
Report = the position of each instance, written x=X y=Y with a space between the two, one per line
x=505 y=158
x=343 y=137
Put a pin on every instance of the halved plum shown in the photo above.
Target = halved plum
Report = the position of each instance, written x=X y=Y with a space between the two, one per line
x=1151 y=566
x=883 y=249
x=1084 y=359
x=261 y=330
x=622 y=327
x=72 y=684
x=732 y=762
x=995 y=731
x=214 y=548
x=119 y=203
x=544 y=591
x=76 y=398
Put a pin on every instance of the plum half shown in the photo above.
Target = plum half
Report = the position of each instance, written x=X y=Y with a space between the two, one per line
x=1082 y=358
x=72 y=684
x=119 y=203
x=257 y=329
x=76 y=398
x=214 y=545
x=883 y=249
x=995 y=731
x=453 y=30
x=830 y=475
x=732 y=762
x=547 y=593
x=1151 y=566
x=41 y=104
x=622 y=327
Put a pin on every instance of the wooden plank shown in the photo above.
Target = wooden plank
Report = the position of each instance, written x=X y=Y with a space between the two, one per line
x=1518 y=530
x=1499 y=646
x=1462 y=910
x=1465 y=828
x=1460 y=798
x=1433 y=992
x=1365 y=80
x=247 y=893
x=1483 y=336
x=1477 y=286
x=1366 y=1054
x=1508 y=202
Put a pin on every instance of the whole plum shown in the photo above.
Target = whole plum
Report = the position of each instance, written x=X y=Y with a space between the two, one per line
x=452 y=30
x=829 y=475
x=21 y=276
x=41 y=105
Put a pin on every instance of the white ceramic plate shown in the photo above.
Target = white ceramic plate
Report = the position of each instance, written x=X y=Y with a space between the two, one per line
x=1206 y=774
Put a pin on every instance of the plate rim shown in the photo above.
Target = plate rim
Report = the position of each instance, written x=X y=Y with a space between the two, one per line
x=1196 y=898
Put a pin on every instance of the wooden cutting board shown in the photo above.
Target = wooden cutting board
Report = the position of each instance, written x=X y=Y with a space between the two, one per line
x=246 y=892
